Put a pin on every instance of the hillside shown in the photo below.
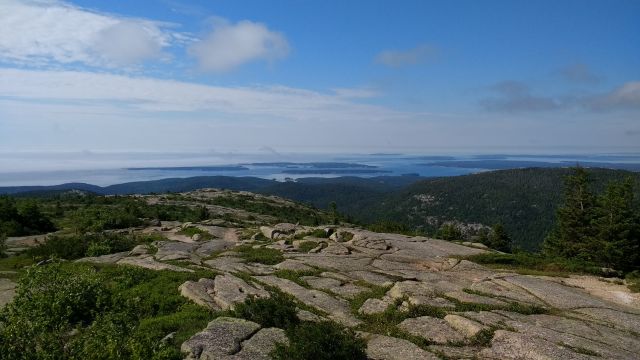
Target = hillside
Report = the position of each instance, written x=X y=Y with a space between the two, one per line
x=219 y=274
x=524 y=200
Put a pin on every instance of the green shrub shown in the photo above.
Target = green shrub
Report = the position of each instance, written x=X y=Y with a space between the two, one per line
x=82 y=311
x=277 y=311
x=72 y=247
x=449 y=232
x=633 y=280
x=98 y=249
x=321 y=341
x=50 y=301
x=3 y=245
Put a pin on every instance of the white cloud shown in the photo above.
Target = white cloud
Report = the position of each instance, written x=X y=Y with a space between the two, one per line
x=130 y=42
x=230 y=45
x=399 y=58
x=45 y=32
x=86 y=91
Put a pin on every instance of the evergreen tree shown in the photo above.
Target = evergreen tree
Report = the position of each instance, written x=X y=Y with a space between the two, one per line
x=449 y=232
x=203 y=213
x=574 y=233
x=499 y=239
x=618 y=227
x=483 y=236
x=3 y=245
x=333 y=209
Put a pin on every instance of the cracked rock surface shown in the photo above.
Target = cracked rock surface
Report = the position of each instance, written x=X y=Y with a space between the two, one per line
x=441 y=306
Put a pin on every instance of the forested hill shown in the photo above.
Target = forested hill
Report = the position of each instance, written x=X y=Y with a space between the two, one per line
x=524 y=200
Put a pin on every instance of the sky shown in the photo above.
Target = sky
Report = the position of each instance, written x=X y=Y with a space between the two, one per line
x=328 y=76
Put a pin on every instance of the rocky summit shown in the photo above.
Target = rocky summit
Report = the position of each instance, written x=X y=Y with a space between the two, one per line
x=407 y=297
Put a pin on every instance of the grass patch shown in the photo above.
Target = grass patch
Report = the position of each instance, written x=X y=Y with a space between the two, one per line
x=296 y=276
x=307 y=246
x=259 y=255
x=535 y=264
x=318 y=233
x=385 y=323
x=516 y=307
x=15 y=263
x=192 y=230
x=374 y=292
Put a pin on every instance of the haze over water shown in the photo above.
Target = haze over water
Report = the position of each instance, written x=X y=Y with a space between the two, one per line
x=114 y=168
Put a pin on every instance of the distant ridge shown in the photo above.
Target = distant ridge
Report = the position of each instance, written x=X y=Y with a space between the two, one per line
x=524 y=200
x=223 y=182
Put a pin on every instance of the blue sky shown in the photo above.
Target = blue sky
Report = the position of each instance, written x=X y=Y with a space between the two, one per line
x=320 y=76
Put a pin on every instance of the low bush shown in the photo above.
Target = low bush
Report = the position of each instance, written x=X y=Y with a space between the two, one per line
x=321 y=341
x=277 y=311
x=72 y=247
x=3 y=245
x=80 y=311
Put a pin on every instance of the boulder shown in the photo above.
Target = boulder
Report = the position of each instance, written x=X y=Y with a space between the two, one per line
x=200 y=292
x=150 y=263
x=336 y=249
x=7 y=291
x=510 y=345
x=431 y=329
x=230 y=290
x=466 y=326
x=381 y=347
x=375 y=306
x=222 y=337
x=337 y=309
x=139 y=250
x=292 y=265
x=260 y=345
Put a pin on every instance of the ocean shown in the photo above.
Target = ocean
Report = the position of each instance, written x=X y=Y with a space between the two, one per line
x=107 y=169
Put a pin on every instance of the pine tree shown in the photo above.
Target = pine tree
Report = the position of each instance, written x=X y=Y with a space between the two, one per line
x=618 y=228
x=573 y=234
x=449 y=232
x=3 y=245
x=499 y=239
x=333 y=208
